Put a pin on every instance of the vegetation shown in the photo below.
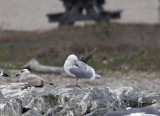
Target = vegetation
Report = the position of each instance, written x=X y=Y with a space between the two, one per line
x=120 y=46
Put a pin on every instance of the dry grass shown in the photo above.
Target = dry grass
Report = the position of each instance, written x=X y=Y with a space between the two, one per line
x=113 y=79
x=119 y=45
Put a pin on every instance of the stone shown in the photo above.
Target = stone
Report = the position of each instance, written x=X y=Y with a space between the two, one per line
x=43 y=103
x=12 y=107
x=98 y=112
x=82 y=101
x=58 y=101
x=1 y=97
x=32 y=112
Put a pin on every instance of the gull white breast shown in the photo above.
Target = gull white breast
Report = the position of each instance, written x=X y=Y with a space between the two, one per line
x=78 y=69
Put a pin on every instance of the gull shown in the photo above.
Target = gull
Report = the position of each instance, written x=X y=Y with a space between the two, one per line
x=145 y=111
x=31 y=79
x=2 y=74
x=78 y=69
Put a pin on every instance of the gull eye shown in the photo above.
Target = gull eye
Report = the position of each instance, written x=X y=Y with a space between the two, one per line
x=22 y=71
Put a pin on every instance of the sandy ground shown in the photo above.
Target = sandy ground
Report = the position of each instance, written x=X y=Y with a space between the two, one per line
x=137 y=80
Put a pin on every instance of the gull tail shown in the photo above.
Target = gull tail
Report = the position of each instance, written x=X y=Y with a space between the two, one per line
x=5 y=75
x=98 y=76
x=49 y=83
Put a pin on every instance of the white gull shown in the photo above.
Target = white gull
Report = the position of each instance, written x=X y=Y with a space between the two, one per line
x=75 y=68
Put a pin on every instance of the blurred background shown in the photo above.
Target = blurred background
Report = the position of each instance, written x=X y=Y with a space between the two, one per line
x=126 y=34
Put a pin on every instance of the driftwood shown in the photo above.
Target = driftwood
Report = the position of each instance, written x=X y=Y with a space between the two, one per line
x=35 y=66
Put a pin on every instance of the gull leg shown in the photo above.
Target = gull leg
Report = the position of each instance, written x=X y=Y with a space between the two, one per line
x=76 y=81
x=74 y=85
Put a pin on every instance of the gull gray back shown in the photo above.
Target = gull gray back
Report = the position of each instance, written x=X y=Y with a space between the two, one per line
x=81 y=71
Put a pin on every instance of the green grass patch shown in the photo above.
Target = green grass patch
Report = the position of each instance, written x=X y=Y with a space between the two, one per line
x=118 y=46
x=120 y=59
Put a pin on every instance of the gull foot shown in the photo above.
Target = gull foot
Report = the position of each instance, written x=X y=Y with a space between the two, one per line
x=74 y=85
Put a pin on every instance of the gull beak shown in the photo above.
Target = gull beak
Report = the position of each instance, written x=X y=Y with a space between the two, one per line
x=5 y=75
x=76 y=64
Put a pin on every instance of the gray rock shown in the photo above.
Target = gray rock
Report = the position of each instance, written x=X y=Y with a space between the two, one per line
x=57 y=110
x=82 y=101
x=57 y=101
x=1 y=97
x=13 y=107
x=157 y=106
x=43 y=103
x=99 y=112
x=32 y=112
x=128 y=97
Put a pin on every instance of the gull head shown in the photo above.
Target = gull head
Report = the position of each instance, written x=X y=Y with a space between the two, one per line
x=72 y=59
x=23 y=72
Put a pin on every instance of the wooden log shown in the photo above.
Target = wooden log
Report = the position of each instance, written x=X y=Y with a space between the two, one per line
x=35 y=66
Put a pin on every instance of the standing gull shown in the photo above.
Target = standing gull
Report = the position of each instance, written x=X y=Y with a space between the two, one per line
x=31 y=79
x=2 y=74
x=75 y=68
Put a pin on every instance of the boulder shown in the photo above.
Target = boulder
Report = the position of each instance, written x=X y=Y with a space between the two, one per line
x=50 y=100
x=32 y=112
x=98 y=112
x=1 y=97
x=11 y=107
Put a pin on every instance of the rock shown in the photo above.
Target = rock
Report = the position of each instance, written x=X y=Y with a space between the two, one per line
x=32 y=112
x=13 y=107
x=82 y=101
x=128 y=97
x=157 y=106
x=43 y=103
x=99 y=112
x=57 y=101
x=1 y=97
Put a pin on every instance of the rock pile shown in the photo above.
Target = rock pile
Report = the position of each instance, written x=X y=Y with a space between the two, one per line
x=56 y=101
